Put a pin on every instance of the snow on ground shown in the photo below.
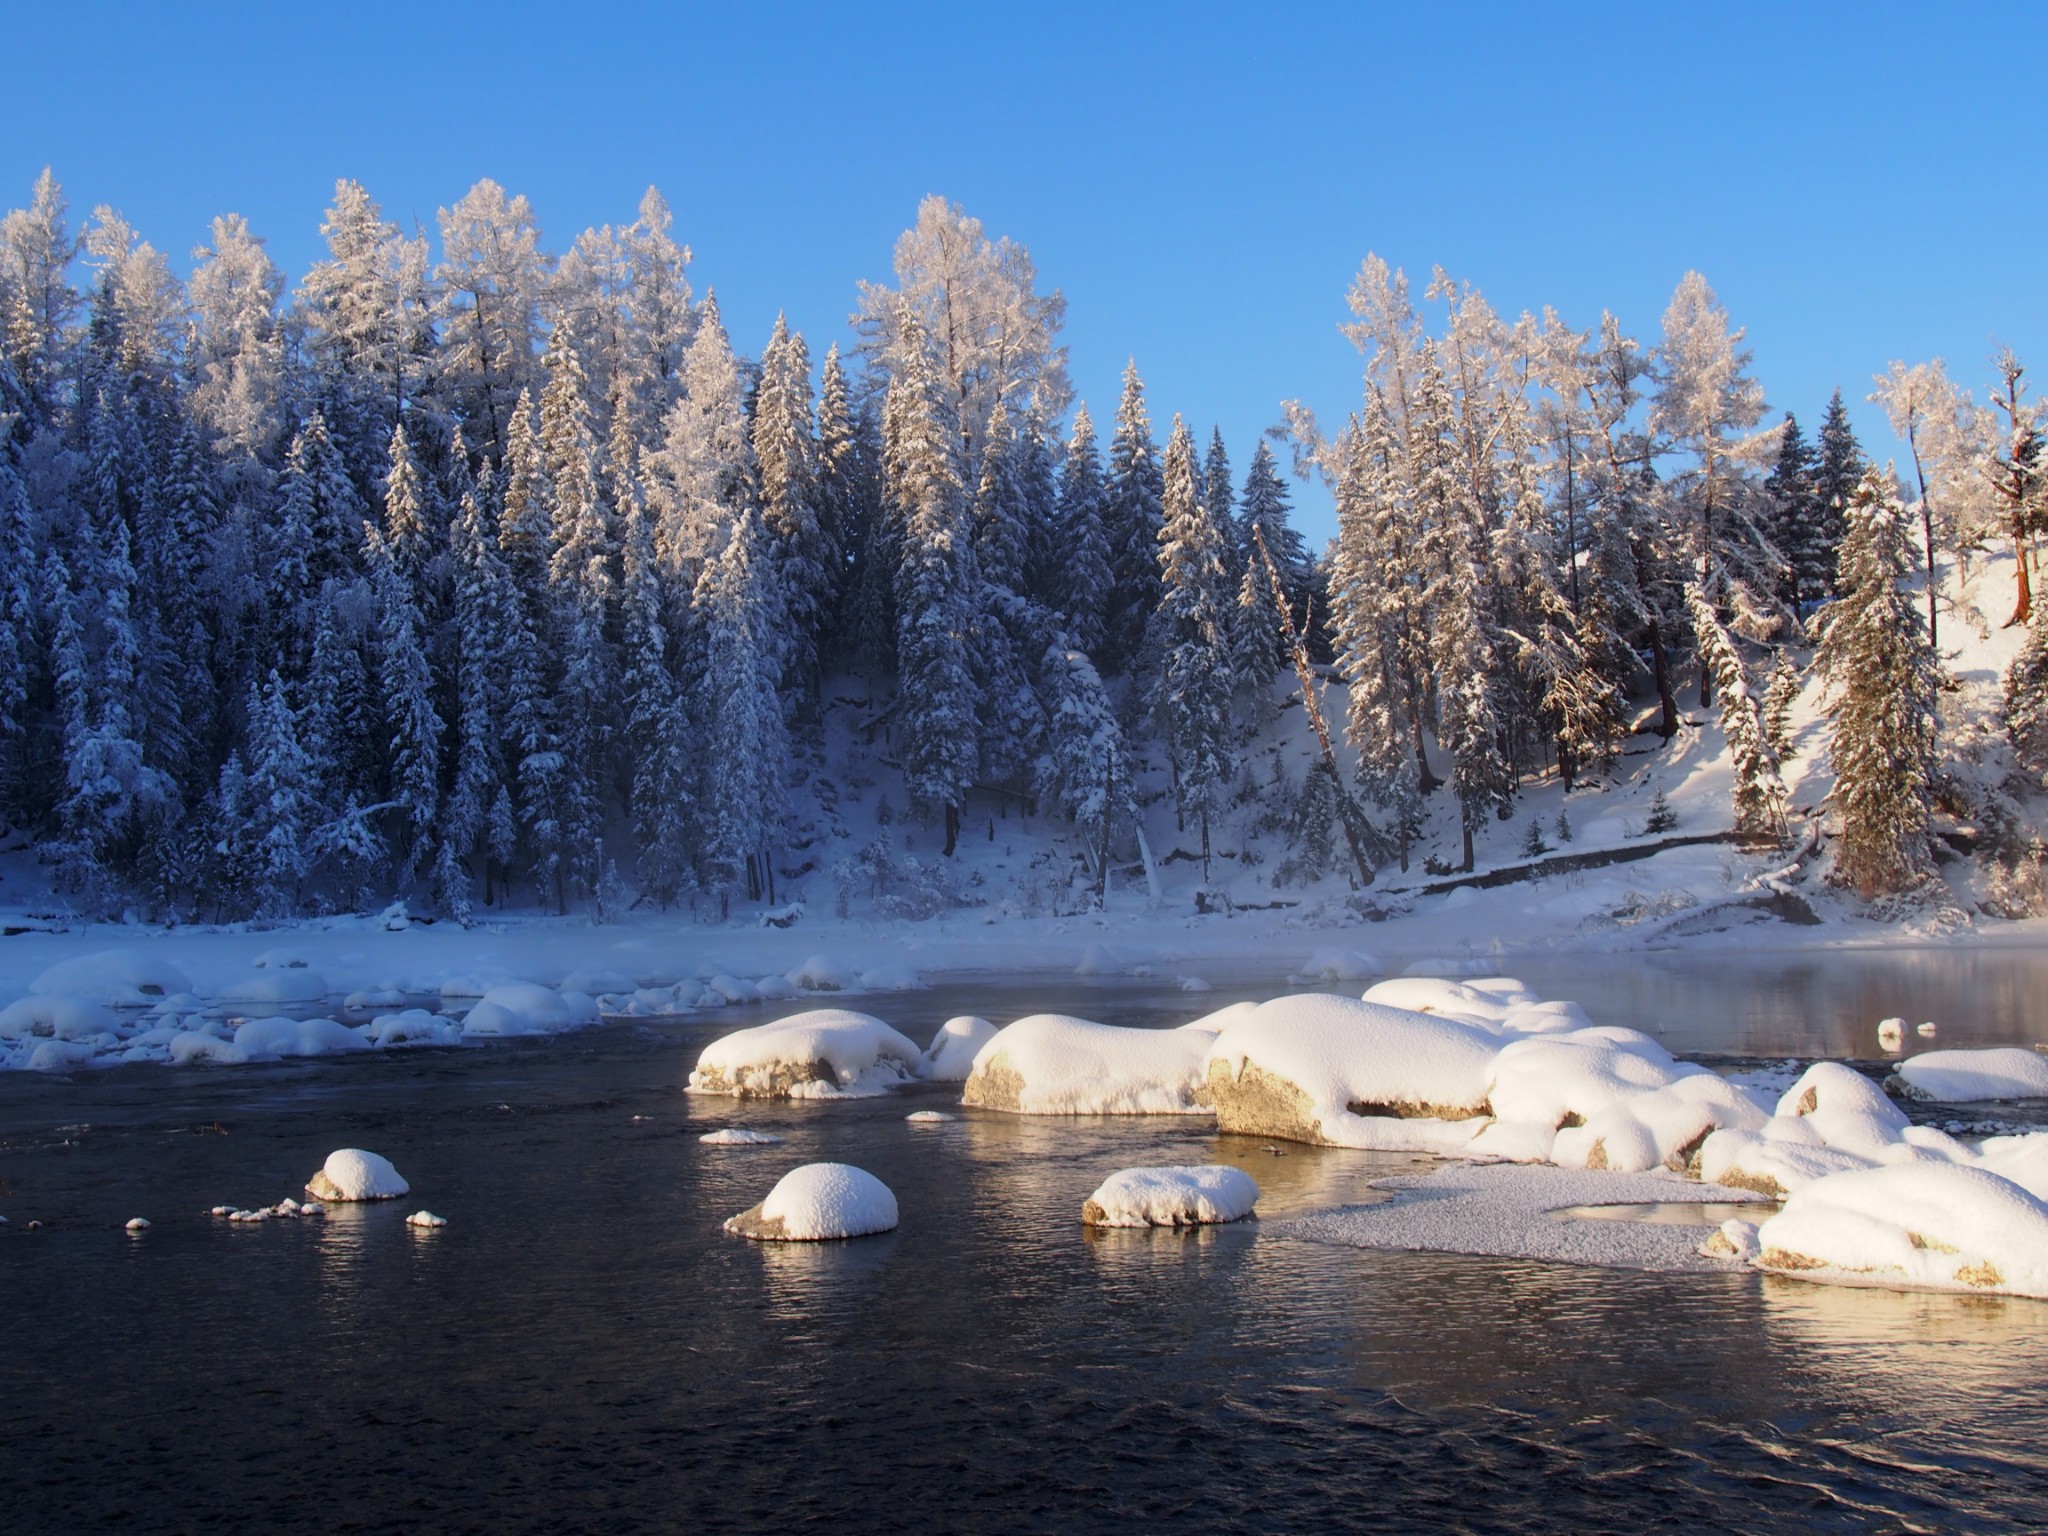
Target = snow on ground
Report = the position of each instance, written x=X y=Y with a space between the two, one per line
x=353 y=1174
x=819 y=1202
x=1172 y=1197
x=1052 y=1064
x=1506 y=1210
x=1963 y=1077
x=823 y=1053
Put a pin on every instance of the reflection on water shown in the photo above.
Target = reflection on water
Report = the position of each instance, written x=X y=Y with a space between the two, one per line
x=583 y=1348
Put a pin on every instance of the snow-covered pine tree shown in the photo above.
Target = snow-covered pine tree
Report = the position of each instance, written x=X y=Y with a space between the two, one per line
x=1001 y=520
x=1781 y=693
x=1260 y=647
x=934 y=582
x=704 y=472
x=2026 y=701
x=236 y=354
x=492 y=276
x=406 y=531
x=862 y=623
x=658 y=733
x=526 y=521
x=786 y=451
x=1839 y=466
x=1796 y=519
x=1759 y=792
x=1372 y=593
x=279 y=807
x=1882 y=699
x=406 y=684
x=1085 y=768
x=486 y=627
x=37 y=247
x=1038 y=479
x=746 y=743
x=1130 y=523
x=2016 y=474
x=1195 y=672
x=1080 y=589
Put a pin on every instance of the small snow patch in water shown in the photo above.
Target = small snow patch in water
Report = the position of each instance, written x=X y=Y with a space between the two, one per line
x=138 y=1224
x=928 y=1116
x=733 y=1136
x=425 y=1221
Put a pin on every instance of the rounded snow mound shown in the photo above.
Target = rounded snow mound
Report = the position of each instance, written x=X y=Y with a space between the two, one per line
x=950 y=1056
x=734 y=1136
x=817 y=1203
x=286 y=984
x=1342 y=965
x=119 y=978
x=415 y=1026
x=1172 y=1197
x=55 y=1016
x=1340 y=1072
x=1961 y=1077
x=1052 y=1064
x=822 y=1053
x=268 y=1039
x=823 y=973
x=1832 y=1120
x=352 y=1175
x=526 y=1008
x=1923 y=1226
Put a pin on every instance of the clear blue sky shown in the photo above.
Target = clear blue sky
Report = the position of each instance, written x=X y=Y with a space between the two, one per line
x=1859 y=182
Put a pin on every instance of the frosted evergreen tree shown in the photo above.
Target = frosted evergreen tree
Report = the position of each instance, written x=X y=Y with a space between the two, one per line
x=2026 y=701
x=526 y=521
x=366 y=314
x=1926 y=410
x=278 y=800
x=1084 y=770
x=1038 y=480
x=37 y=247
x=18 y=613
x=704 y=473
x=658 y=734
x=1195 y=676
x=486 y=628
x=1882 y=699
x=1796 y=517
x=1130 y=523
x=934 y=582
x=786 y=453
x=746 y=744
x=1781 y=693
x=406 y=531
x=1261 y=649
x=1839 y=466
x=863 y=616
x=1001 y=519
x=406 y=687
x=236 y=355
x=1080 y=590
x=2015 y=473
x=1759 y=792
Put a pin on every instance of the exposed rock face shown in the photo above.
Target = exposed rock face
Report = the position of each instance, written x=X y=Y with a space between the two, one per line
x=995 y=1084
x=770 y=1082
x=1255 y=1102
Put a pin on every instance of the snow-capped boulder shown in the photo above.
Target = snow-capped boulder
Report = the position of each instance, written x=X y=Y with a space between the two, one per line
x=58 y=1055
x=1486 y=1002
x=55 y=1016
x=281 y=959
x=1051 y=1064
x=817 y=1203
x=119 y=978
x=950 y=1056
x=823 y=973
x=735 y=1136
x=1921 y=1226
x=287 y=984
x=267 y=1039
x=527 y=1008
x=414 y=1026
x=1340 y=965
x=1832 y=1120
x=734 y=989
x=426 y=1221
x=1960 y=1077
x=821 y=1053
x=1848 y=1111
x=1172 y=1197
x=353 y=1175
x=1605 y=1099
x=1340 y=1072
x=891 y=976
x=367 y=998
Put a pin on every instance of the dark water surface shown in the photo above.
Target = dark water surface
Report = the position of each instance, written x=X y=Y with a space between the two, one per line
x=582 y=1349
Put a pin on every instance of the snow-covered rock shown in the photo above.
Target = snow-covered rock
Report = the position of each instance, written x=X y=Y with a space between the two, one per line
x=1932 y=1226
x=291 y=984
x=1891 y=1034
x=819 y=1202
x=367 y=998
x=1052 y=1064
x=1832 y=1120
x=138 y=1223
x=892 y=976
x=820 y=1053
x=950 y=1056
x=1341 y=965
x=425 y=1221
x=1486 y=1002
x=414 y=1026
x=734 y=1136
x=262 y=1039
x=824 y=973
x=1960 y=1077
x=1333 y=1070
x=1172 y=1197
x=1605 y=1099
x=55 y=1016
x=527 y=1008
x=929 y=1117
x=775 y=989
x=58 y=1056
x=352 y=1175
x=119 y=978
x=734 y=989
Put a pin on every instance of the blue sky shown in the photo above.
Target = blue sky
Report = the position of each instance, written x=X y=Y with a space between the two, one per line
x=1858 y=182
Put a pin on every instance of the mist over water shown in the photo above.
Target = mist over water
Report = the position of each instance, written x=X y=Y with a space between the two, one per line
x=583 y=1349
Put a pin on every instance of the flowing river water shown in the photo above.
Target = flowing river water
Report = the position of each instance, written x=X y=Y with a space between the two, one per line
x=583 y=1349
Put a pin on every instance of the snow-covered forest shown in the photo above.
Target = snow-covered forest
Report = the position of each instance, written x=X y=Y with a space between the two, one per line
x=475 y=574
